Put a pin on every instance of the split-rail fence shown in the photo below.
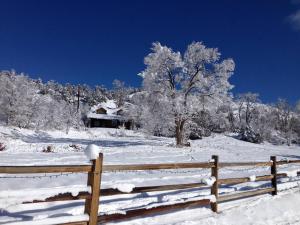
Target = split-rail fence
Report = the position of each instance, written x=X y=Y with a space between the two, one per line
x=94 y=181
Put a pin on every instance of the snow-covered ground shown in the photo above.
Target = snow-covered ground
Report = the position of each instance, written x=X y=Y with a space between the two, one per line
x=24 y=147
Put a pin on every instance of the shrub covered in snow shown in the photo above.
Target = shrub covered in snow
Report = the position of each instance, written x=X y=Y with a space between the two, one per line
x=49 y=149
x=75 y=147
x=247 y=134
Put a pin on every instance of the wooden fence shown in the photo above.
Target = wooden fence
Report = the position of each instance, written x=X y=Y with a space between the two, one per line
x=94 y=180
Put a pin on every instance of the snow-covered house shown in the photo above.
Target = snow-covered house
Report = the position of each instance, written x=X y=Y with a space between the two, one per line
x=107 y=114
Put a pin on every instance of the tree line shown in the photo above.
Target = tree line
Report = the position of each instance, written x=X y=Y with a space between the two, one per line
x=30 y=103
x=187 y=96
x=183 y=95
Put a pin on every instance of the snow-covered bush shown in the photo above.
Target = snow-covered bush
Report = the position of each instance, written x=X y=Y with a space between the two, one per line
x=121 y=132
x=48 y=149
x=76 y=147
x=247 y=134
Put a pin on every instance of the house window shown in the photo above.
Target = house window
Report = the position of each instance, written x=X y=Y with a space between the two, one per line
x=115 y=123
x=101 y=111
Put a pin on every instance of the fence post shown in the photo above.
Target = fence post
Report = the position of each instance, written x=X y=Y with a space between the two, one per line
x=214 y=187
x=274 y=173
x=94 y=180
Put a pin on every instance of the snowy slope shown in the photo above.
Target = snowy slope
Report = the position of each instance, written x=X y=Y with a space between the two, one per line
x=24 y=147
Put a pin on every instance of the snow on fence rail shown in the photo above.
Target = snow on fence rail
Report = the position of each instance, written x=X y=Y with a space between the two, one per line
x=94 y=180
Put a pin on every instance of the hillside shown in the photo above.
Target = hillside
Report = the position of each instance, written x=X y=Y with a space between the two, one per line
x=25 y=147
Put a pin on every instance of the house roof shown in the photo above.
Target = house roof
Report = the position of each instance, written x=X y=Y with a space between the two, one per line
x=104 y=116
x=111 y=111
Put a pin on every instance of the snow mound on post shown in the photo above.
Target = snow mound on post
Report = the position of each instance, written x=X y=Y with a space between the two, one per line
x=209 y=181
x=252 y=178
x=92 y=151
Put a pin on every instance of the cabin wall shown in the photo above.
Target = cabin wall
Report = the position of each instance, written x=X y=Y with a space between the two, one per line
x=109 y=123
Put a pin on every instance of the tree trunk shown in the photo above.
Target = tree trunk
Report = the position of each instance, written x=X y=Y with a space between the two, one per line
x=78 y=99
x=179 y=132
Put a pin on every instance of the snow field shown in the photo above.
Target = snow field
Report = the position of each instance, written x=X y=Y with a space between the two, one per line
x=25 y=148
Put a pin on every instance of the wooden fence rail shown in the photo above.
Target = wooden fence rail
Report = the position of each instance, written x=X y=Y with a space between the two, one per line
x=94 y=180
x=45 y=169
x=109 y=168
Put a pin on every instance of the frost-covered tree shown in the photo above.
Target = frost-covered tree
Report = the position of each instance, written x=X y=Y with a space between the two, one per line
x=175 y=84
x=248 y=114
x=283 y=113
x=29 y=103
x=99 y=94
x=120 y=92
x=247 y=108
x=262 y=123
x=6 y=98
x=17 y=97
x=298 y=107
x=297 y=121
x=284 y=120
x=213 y=118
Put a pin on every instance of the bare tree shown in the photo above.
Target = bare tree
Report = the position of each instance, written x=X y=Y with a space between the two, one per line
x=248 y=114
x=247 y=108
x=284 y=118
x=120 y=92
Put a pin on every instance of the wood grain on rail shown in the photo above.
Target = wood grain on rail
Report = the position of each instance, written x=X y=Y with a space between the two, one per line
x=45 y=169
x=63 y=197
x=239 y=164
x=230 y=197
x=136 y=190
x=244 y=179
x=75 y=223
x=156 y=166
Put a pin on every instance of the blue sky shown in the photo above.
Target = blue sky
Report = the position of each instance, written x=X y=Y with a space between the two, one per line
x=95 y=42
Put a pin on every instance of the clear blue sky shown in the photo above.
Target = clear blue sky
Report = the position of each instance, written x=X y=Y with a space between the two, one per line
x=95 y=42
